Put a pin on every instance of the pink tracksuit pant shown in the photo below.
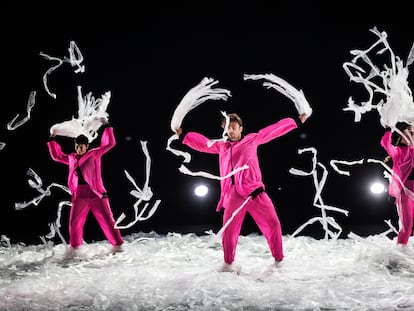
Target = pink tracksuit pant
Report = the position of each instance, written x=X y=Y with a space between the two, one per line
x=406 y=206
x=85 y=200
x=263 y=212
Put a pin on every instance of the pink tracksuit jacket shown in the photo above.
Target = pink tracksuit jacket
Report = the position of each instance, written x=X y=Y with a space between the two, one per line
x=231 y=156
x=90 y=196
x=403 y=163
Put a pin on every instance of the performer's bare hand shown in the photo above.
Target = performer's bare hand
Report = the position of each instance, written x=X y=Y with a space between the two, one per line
x=104 y=120
x=303 y=117
x=179 y=131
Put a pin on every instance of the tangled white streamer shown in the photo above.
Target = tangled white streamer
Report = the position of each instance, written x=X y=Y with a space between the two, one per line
x=318 y=201
x=395 y=103
x=185 y=170
x=30 y=103
x=2 y=145
x=91 y=113
x=221 y=231
x=194 y=97
x=297 y=96
x=391 y=229
x=35 y=182
x=75 y=59
x=342 y=172
x=142 y=195
x=224 y=136
x=54 y=227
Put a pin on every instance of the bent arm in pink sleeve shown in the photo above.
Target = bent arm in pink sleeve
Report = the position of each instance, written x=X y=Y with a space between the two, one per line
x=56 y=152
x=107 y=140
x=199 y=142
x=275 y=130
x=387 y=145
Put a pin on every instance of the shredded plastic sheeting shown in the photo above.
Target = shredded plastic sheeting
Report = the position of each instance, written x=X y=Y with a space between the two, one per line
x=91 y=112
x=144 y=194
x=324 y=220
x=236 y=211
x=13 y=124
x=197 y=95
x=75 y=59
x=282 y=86
x=36 y=182
x=334 y=163
x=387 y=87
x=181 y=272
x=224 y=135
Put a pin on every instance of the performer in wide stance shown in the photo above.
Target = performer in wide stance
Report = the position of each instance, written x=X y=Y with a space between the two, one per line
x=238 y=151
x=86 y=186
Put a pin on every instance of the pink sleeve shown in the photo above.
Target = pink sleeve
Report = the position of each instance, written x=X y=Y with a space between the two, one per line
x=199 y=142
x=56 y=152
x=275 y=130
x=107 y=140
x=386 y=144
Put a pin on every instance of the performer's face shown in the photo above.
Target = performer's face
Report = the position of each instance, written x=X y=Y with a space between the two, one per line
x=234 y=131
x=81 y=148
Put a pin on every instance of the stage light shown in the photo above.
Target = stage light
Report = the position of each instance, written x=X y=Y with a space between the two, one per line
x=377 y=188
x=201 y=190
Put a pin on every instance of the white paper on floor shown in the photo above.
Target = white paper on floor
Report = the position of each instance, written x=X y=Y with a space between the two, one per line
x=181 y=272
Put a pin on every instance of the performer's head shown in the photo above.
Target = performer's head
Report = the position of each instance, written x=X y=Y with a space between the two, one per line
x=235 y=128
x=81 y=144
x=408 y=130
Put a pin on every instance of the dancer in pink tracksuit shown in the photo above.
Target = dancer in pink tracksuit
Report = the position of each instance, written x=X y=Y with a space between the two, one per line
x=401 y=151
x=85 y=184
x=237 y=152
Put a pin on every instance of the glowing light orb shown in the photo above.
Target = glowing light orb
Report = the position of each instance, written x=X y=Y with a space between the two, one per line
x=377 y=188
x=201 y=190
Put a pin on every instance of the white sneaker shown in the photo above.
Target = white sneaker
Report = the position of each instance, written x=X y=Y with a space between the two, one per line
x=278 y=263
x=70 y=252
x=230 y=268
x=117 y=249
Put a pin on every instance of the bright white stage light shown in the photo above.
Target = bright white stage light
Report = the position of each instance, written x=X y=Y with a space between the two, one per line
x=201 y=190
x=377 y=188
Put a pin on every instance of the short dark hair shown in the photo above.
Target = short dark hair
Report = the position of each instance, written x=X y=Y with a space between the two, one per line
x=82 y=140
x=233 y=118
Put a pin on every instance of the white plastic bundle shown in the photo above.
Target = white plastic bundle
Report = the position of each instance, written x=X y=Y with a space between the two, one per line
x=195 y=97
x=396 y=103
x=297 y=96
x=90 y=114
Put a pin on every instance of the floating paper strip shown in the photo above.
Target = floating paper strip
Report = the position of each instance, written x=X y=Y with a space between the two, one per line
x=142 y=195
x=342 y=172
x=75 y=59
x=30 y=103
x=318 y=201
x=36 y=183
